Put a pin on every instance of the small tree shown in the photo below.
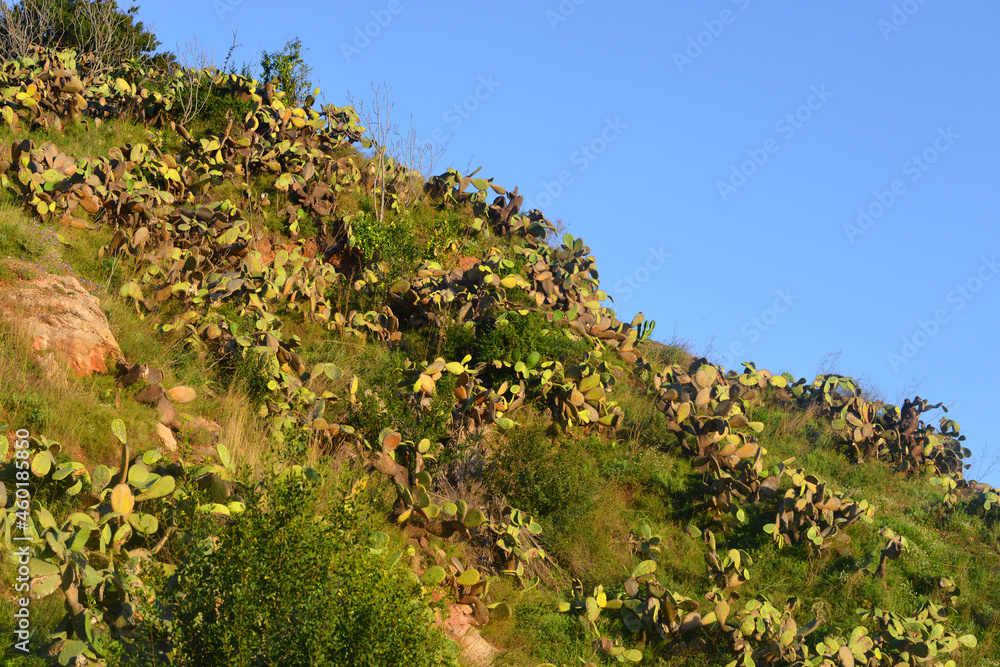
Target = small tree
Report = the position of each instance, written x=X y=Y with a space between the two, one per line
x=393 y=147
x=96 y=27
x=290 y=69
x=199 y=71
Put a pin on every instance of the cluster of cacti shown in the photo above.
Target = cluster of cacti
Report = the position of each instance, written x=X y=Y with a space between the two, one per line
x=201 y=255
x=917 y=640
x=647 y=609
x=766 y=635
x=710 y=420
x=708 y=410
x=896 y=435
x=465 y=295
x=579 y=396
x=198 y=254
x=130 y=187
x=760 y=632
x=882 y=431
x=501 y=216
x=920 y=639
x=515 y=534
x=479 y=406
x=511 y=535
x=810 y=511
x=403 y=462
x=96 y=554
x=47 y=88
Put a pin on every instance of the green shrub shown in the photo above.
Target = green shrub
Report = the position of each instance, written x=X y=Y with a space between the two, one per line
x=386 y=239
x=457 y=340
x=245 y=370
x=211 y=118
x=558 y=484
x=514 y=340
x=285 y=586
x=385 y=406
x=290 y=70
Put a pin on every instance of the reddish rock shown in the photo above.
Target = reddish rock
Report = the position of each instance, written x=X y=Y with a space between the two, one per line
x=466 y=262
x=266 y=251
x=309 y=248
x=61 y=316
x=459 y=626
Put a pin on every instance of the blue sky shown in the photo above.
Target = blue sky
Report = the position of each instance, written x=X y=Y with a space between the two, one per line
x=773 y=183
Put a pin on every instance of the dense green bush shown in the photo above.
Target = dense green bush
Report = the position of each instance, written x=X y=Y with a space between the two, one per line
x=282 y=585
x=211 y=118
x=555 y=481
x=390 y=407
x=513 y=341
x=388 y=239
x=457 y=340
x=521 y=335
x=290 y=70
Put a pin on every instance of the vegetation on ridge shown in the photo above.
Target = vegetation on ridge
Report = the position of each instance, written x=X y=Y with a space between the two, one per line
x=430 y=407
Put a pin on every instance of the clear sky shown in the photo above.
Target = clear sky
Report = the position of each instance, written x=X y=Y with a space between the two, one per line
x=773 y=183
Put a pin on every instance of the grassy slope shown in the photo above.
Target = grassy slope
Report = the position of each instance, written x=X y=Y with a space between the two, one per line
x=590 y=492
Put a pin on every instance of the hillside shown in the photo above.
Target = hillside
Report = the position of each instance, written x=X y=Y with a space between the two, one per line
x=349 y=409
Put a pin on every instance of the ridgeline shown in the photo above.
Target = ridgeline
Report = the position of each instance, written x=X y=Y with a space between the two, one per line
x=347 y=414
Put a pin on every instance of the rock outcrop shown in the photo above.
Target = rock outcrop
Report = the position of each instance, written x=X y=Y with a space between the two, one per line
x=460 y=627
x=61 y=316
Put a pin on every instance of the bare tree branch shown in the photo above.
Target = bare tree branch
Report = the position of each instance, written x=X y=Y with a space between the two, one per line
x=24 y=28
x=391 y=147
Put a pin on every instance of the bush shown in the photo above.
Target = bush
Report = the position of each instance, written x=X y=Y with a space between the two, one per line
x=522 y=335
x=290 y=70
x=389 y=239
x=558 y=484
x=392 y=408
x=514 y=340
x=211 y=118
x=282 y=585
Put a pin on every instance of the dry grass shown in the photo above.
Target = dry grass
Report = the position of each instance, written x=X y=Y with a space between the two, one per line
x=81 y=139
x=244 y=434
x=76 y=412
x=795 y=422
